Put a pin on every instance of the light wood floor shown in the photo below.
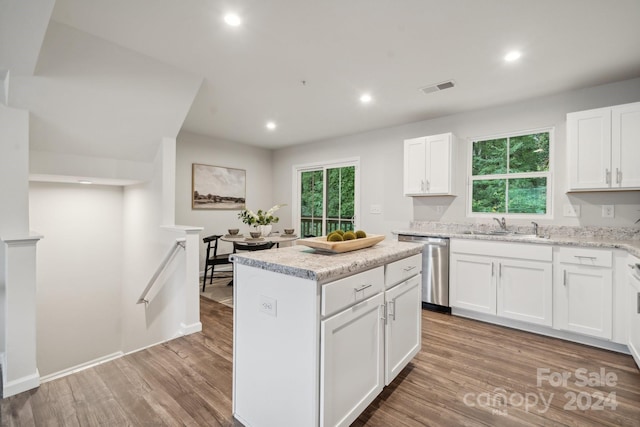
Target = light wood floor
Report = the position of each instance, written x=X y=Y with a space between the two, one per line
x=463 y=365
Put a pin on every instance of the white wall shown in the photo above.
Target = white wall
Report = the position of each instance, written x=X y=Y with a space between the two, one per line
x=79 y=272
x=381 y=154
x=193 y=148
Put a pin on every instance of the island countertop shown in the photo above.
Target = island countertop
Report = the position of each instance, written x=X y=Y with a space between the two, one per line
x=307 y=263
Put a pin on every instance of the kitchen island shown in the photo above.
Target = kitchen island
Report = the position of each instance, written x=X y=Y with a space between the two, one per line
x=317 y=336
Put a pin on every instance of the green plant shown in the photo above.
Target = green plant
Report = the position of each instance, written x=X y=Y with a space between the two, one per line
x=259 y=218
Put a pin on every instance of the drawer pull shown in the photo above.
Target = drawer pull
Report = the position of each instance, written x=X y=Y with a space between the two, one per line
x=409 y=268
x=592 y=258
x=362 y=288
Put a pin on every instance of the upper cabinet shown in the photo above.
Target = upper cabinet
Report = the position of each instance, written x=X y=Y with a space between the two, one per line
x=604 y=148
x=427 y=165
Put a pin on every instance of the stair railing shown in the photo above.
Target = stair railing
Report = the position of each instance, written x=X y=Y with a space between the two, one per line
x=180 y=243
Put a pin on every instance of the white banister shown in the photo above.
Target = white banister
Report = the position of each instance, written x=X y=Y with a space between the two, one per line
x=180 y=243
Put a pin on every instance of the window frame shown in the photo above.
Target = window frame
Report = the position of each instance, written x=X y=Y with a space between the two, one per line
x=548 y=174
x=328 y=164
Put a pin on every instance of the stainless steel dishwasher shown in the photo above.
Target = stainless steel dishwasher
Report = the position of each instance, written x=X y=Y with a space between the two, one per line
x=435 y=271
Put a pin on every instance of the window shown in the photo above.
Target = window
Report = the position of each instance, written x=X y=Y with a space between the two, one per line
x=510 y=174
x=327 y=197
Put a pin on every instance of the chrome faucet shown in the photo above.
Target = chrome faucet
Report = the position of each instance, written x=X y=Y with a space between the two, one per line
x=502 y=223
x=535 y=228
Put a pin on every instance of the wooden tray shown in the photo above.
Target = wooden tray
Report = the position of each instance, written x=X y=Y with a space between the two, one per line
x=321 y=243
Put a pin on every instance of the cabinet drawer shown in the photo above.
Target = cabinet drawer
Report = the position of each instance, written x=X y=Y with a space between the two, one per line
x=402 y=269
x=350 y=290
x=595 y=257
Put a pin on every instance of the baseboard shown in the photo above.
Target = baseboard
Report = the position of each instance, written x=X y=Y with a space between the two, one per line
x=542 y=330
x=20 y=385
x=82 y=366
x=190 y=329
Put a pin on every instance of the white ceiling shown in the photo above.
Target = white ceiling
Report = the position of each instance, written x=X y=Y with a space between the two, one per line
x=341 y=48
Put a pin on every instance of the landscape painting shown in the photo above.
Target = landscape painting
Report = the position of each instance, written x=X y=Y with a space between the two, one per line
x=216 y=187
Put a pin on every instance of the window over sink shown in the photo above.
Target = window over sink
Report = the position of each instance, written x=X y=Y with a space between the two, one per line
x=510 y=174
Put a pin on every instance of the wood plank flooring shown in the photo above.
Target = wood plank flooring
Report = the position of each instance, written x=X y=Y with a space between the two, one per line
x=457 y=379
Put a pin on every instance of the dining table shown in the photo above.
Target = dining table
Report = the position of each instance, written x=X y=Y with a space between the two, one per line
x=274 y=237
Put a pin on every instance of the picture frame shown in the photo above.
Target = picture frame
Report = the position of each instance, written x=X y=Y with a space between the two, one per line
x=217 y=187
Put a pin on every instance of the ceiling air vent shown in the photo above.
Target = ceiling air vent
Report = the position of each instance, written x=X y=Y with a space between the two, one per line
x=438 y=86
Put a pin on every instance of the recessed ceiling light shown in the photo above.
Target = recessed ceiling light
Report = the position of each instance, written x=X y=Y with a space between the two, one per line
x=85 y=181
x=365 y=98
x=232 y=19
x=271 y=125
x=512 y=56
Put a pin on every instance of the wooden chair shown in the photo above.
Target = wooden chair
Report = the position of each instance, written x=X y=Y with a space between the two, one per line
x=213 y=258
x=239 y=246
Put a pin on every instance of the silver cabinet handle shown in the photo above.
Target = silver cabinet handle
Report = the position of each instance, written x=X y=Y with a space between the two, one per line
x=409 y=268
x=391 y=314
x=618 y=176
x=492 y=273
x=362 y=288
x=428 y=186
x=500 y=270
x=586 y=257
x=564 y=277
x=637 y=303
x=607 y=178
x=384 y=312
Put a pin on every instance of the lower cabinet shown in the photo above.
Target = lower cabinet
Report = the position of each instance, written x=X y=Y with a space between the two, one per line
x=583 y=291
x=633 y=292
x=403 y=326
x=504 y=279
x=352 y=361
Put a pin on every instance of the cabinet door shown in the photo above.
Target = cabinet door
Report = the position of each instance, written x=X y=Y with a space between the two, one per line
x=589 y=149
x=403 y=326
x=351 y=361
x=525 y=291
x=415 y=154
x=438 y=160
x=473 y=284
x=625 y=144
x=584 y=297
x=634 y=316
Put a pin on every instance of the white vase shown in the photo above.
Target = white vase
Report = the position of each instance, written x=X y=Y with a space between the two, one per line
x=265 y=230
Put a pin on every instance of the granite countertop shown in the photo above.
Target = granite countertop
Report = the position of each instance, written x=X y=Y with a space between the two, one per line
x=307 y=263
x=551 y=236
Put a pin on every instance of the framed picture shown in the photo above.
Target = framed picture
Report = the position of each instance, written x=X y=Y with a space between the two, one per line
x=217 y=187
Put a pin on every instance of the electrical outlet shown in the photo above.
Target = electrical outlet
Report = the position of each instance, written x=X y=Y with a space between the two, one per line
x=571 y=210
x=268 y=305
x=439 y=209
x=375 y=209
x=608 y=211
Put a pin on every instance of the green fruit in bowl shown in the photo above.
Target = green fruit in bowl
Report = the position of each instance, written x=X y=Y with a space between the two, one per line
x=361 y=234
x=334 y=237
x=340 y=232
x=349 y=235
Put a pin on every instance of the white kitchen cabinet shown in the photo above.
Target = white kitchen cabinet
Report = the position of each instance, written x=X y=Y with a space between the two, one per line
x=403 y=326
x=603 y=150
x=509 y=280
x=427 y=165
x=352 y=361
x=634 y=309
x=583 y=291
